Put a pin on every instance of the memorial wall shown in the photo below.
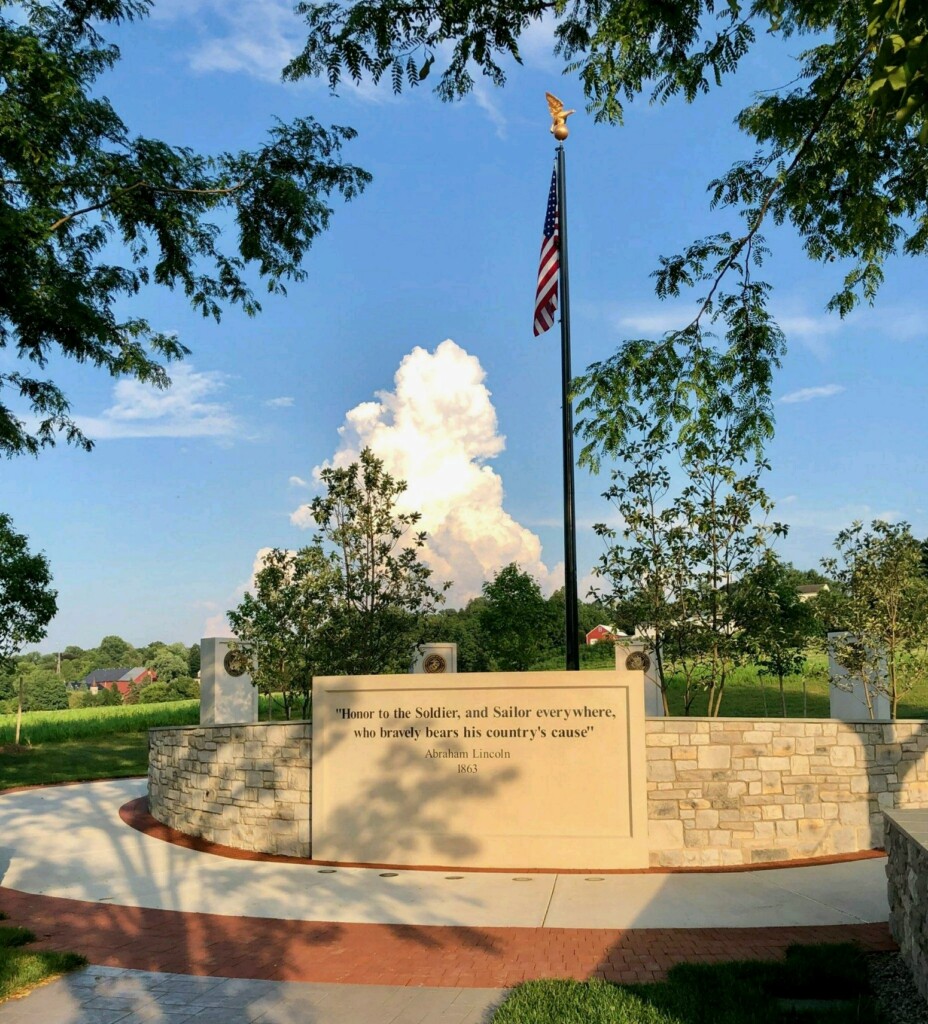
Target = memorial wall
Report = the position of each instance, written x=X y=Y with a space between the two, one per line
x=521 y=770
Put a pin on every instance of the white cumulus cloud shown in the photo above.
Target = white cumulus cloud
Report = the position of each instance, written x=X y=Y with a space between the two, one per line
x=436 y=430
x=188 y=408
x=810 y=394
x=217 y=624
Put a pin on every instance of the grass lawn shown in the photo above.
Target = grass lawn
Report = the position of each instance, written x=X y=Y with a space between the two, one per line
x=748 y=694
x=103 y=757
x=835 y=977
x=21 y=970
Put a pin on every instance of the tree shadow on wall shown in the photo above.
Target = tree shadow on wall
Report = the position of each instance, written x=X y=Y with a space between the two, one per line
x=408 y=809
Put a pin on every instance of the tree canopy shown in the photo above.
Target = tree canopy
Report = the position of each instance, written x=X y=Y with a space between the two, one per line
x=838 y=152
x=27 y=601
x=77 y=186
x=384 y=591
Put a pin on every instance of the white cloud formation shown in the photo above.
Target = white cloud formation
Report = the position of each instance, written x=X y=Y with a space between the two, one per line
x=812 y=332
x=185 y=409
x=487 y=102
x=810 y=394
x=298 y=481
x=254 y=38
x=436 y=430
x=257 y=38
x=218 y=623
x=284 y=402
x=656 y=321
x=536 y=44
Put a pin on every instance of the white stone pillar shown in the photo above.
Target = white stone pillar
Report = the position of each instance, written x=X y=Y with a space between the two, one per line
x=848 y=698
x=435 y=658
x=636 y=655
x=227 y=695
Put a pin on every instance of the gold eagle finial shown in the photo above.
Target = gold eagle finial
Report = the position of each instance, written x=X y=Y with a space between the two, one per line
x=558 y=117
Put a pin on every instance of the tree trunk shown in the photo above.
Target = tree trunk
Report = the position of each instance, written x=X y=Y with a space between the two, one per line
x=19 y=710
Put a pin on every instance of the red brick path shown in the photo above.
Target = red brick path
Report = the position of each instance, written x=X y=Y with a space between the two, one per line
x=381 y=954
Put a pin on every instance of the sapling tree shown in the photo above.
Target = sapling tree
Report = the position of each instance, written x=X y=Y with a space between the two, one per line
x=880 y=598
x=284 y=626
x=693 y=516
x=383 y=591
x=776 y=627
x=513 y=619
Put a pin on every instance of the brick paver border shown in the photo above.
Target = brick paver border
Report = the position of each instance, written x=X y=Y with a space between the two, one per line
x=383 y=954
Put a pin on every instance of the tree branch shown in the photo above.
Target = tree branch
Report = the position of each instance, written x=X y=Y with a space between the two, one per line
x=777 y=186
x=154 y=188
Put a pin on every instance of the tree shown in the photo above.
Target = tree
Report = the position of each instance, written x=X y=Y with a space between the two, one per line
x=114 y=652
x=77 y=186
x=881 y=599
x=679 y=553
x=384 y=592
x=168 y=665
x=105 y=697
x=27 y=601
x=43 y=690
x=838 y=151
x=286 y=626
x=776 y=627
x=193 y=660
x=459 y=626
x=513 y=619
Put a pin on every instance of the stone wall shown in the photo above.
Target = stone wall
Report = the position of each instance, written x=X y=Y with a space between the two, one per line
x=246 y=786
x=907 y=872
x=720 y=791
x=739 y=791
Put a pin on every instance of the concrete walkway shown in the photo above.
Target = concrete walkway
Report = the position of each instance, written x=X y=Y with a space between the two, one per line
x=81 y=878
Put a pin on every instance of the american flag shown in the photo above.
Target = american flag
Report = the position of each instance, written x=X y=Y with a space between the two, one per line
x=546 y=295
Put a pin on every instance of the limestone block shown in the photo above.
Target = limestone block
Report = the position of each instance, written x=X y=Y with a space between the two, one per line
x=841 y=756
x=713 y=757
x=665 y=835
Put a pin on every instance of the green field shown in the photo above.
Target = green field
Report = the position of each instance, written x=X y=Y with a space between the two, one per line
x=87 y=723
x=89 y=743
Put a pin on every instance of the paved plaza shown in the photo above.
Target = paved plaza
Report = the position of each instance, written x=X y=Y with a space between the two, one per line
x=174 y=933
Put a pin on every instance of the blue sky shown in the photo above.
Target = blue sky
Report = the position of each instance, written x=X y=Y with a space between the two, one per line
x=154 y=534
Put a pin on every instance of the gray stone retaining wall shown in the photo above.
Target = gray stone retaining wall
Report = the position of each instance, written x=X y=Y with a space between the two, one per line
x=907 y=874
x=742 y=791
x=246 y=786
x=720 y=791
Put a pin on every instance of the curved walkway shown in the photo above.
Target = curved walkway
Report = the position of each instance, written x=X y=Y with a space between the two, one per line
x=81 y=878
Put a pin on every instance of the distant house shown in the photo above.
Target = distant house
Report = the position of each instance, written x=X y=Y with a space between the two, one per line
x=99 y=679
x=599 y=633
x=809 y=590
x=119 y=679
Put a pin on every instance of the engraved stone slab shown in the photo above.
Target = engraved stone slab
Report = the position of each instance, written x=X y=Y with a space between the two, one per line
x=227 y=695
x=504 y=769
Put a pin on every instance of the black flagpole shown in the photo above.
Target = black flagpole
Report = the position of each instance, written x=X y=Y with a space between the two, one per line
x=572 y=624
